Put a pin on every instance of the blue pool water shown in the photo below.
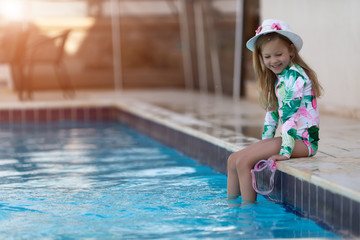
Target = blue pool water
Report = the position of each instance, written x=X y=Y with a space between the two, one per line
x=102 y=180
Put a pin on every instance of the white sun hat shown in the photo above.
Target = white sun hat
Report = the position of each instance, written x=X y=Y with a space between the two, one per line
x=278 y=26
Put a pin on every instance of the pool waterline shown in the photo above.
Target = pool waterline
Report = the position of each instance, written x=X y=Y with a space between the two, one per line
x=76 y=183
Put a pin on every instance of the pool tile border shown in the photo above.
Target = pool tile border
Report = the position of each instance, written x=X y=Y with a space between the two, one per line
x=332 y=210
x=56 y=114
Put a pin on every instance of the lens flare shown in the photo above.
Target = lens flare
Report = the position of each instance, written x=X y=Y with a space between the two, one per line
x=12 y=9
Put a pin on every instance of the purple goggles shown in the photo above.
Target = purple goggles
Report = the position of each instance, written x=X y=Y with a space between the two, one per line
x=264 y=166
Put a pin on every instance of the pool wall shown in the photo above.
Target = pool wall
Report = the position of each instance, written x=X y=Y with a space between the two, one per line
x=335 y=211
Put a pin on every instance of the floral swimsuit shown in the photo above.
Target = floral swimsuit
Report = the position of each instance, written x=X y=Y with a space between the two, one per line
x=297 y=110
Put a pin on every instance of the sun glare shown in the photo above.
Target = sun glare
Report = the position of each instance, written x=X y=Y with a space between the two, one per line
x=12 y=9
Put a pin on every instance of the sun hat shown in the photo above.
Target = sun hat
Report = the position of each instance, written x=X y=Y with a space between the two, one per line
x=262 y=169
x=278 y=26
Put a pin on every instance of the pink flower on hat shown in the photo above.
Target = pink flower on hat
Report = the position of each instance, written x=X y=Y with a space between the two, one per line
x=258 y=30
x=276 y=26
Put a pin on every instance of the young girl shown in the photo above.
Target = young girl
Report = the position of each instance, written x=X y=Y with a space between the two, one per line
x=288 y=91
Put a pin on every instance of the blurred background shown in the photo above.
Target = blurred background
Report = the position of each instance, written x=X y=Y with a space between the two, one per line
x=127 y=44
x=198 y=45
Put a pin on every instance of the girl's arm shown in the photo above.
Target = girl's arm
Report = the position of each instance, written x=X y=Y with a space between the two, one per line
x=278 y=157
x=270 y=124
x=291 y=97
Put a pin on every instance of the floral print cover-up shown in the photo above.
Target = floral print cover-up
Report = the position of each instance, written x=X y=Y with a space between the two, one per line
x=297 y=110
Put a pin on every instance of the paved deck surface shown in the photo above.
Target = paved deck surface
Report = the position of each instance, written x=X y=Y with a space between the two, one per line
x=233 y=124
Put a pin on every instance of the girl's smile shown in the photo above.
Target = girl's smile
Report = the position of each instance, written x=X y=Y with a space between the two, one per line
x=276 y=55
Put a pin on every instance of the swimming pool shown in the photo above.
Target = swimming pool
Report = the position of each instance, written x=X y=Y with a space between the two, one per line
x=102 y=180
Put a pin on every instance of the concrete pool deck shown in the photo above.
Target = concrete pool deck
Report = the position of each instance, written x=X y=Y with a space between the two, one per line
x=232 y=125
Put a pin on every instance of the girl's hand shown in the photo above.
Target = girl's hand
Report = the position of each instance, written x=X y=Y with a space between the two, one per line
x=278 y=157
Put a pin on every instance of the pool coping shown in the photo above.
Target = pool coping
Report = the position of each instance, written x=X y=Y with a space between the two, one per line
x=318 y=199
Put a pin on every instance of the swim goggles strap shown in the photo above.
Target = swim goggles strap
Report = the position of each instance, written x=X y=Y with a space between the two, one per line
x=260 y=166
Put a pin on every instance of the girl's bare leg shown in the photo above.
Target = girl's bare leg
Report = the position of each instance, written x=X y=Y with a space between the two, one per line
x=240 y=164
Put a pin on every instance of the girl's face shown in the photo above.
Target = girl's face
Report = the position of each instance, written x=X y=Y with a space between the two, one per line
x=277 y=55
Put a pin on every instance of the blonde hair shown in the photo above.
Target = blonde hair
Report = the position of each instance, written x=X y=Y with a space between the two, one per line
x=267 y=78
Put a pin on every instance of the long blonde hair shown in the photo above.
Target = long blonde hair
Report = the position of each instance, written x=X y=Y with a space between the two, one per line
x=267 y=78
